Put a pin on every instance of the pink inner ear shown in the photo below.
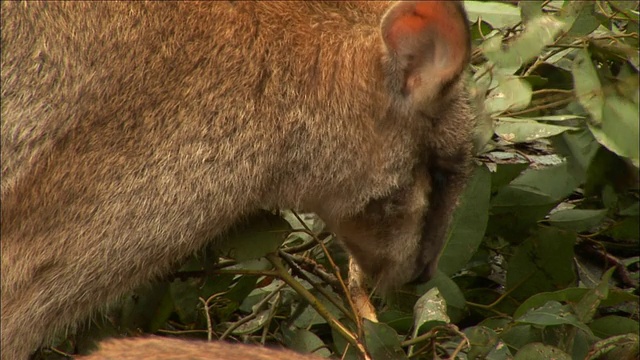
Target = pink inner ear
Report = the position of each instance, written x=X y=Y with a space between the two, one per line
x=439 y=16
x=405 y=26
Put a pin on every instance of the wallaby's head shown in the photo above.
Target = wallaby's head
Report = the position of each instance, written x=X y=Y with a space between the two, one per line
x=426 y=46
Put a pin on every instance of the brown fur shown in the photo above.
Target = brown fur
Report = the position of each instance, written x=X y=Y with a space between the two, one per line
x=157 y=348
x=132 y=133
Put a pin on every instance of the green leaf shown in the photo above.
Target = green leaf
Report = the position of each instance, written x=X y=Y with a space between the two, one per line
x=606 y=169
x=579 y=147
x=468 y=224
x=505 y=173
x=453 y=297
x=524 y=130
x=618 y=296
x=479 y=30
x=310 y=316
x=557 y=118
x=565 y=295
x=538 y=351
x=382 y=341
x=148 y=309
x=572 y=295
x=497 y=14
x=519 y=195
x=619 y=129
x=631 y=260
x=555 y=181
x=482 y=340
x=612 y=325
x=587 y=85
x=500 y=352
x=536 y=81
x=537 y=34
x=551 y=314
x=431 y=307
x=185 y=298
x=305 y=342
x=252 y=325
x=627 y=229
x=346 y=351
x=512 y=93
x=618 y=347
x=498 y=324
x=531 y=9
x=579 y=15
x=245 y=285
x=631 y=210
x=515 y=209
x=586 y=308
x=577 y=219
x=519 y=335
x=258 y=236
x=185 y=294
x=542 y=263
x=560 y=58
x=581 y=342
x=400 y=321
x=489 y=296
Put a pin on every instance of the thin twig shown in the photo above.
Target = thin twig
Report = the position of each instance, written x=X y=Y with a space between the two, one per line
x=540 y=107
x=272 y=312
x=315 y=303
x=313 y=267
x=318 y=287
x=254 y=312
x=205 y=305
x=503 y=296
x=336 y=270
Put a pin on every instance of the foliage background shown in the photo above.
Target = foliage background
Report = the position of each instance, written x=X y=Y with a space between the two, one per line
x=542 y=260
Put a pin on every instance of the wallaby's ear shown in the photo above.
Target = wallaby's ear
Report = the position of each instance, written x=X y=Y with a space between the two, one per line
x=428 y=46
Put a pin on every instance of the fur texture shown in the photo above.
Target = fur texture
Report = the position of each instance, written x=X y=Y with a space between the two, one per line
x=157 y=348
x=135 y=132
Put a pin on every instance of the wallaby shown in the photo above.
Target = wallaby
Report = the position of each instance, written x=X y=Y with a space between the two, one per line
x=135 y=132
x=157 y=348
